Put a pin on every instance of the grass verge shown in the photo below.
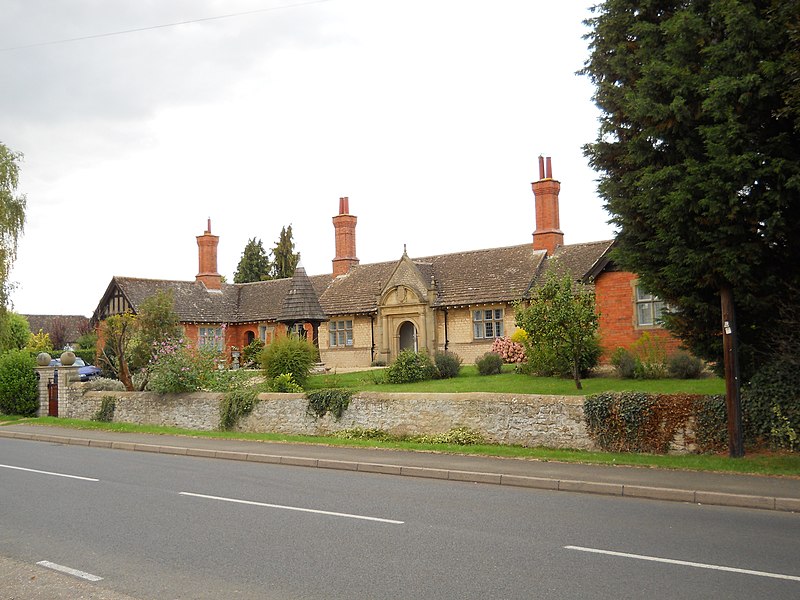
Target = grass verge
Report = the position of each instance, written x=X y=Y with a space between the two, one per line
x=757 y=463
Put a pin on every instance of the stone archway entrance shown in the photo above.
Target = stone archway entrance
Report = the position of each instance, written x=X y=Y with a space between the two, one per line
x=408 y=336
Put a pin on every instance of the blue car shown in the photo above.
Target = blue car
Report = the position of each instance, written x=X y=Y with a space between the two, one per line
x=86 y=372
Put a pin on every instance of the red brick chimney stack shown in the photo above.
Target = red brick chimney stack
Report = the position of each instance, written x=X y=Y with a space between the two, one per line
x=548 y=235
x=345 y=226
x=207 y=253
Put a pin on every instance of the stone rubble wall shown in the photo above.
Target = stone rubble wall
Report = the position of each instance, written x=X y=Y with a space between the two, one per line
x=526 y=420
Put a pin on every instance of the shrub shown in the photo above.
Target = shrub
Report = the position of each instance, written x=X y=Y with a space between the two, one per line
x=489 y=364
x=651 y=357
x=19 y=389
x=624 y=363
x=178 y=369
x=683 y=365
x=103 y=384
x=771 y=405
x=289 y=354
x=358 y=433
x=334 y=401
x=411 y=366
x=460 y=436
x=251 y=352
x=236 y=404
x=448 y=364
x=106 y=412
x=510 y=351
x=285 y=384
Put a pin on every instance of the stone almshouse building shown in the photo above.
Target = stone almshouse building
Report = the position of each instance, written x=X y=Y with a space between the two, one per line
x=363 y=314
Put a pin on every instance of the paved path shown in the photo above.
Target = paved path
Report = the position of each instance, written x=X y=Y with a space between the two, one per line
x=749 y=491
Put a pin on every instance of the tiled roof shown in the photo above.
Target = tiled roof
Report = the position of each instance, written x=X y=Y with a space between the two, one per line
x=74 y=325
x=577 y=260
x=301 y=303
x=193 y=302
x=459 y=279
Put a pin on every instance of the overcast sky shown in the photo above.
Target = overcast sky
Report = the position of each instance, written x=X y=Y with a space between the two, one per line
x=428 y=114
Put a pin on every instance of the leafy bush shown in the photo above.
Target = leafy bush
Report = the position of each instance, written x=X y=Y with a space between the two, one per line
x=289 y=354
x=334 y=401
x=358 y=433
x=460 y=436
x=19 y=389
x=651 y=357
x=178 y=369
x=624 y=363
x=285 y=384
x=771 y=405
x=251 y=352
x=106 y=412
x=236 y=404
x=448 y=364
x=103 y=384
x=489 y=364
x=509 y=350
x=683 y=365
x=411 y=366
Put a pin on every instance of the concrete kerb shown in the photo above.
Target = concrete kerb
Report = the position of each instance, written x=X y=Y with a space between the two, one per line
x=566 y=485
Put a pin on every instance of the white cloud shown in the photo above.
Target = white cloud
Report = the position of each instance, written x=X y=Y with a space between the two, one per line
x=428 y=115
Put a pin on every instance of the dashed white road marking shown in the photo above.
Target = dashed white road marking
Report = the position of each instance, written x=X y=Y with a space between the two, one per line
x=294 y=508
x=685 y=563
x=49 y=473
x=69 y=570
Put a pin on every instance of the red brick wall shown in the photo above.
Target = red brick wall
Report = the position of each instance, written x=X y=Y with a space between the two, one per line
x=614 y=291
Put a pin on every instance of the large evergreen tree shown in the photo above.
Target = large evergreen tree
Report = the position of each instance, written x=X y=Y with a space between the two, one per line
x=285 y=259
x=699 y=158
x=254 y=264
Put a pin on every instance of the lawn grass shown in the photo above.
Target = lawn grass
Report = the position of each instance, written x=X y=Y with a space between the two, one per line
x=509 y=382
x=759 y=463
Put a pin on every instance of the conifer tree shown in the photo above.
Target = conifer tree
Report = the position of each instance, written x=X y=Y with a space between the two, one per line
x=285 y=259
x=699 y=158
x=254 y=264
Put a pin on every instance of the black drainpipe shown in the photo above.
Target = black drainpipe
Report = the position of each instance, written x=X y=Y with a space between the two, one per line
x=446 y=339
x=372 y=335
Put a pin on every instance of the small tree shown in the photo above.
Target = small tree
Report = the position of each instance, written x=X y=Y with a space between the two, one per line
x=39 y=342
x=254 y=264
x=16 y=333
x=118 y=332
x=561 y=323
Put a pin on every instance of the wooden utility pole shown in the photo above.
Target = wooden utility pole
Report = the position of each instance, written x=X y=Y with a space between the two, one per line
x=730 y=347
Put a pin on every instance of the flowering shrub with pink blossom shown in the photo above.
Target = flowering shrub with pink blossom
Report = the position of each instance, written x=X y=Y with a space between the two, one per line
x=510 y=352
x=176 y=368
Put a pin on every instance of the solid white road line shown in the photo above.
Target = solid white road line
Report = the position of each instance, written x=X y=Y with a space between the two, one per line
x=685 y=563
x=295 y=508
x=69 y=571
x=49 y=473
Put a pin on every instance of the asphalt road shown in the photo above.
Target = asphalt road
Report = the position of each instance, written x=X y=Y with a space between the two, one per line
x=159 y=526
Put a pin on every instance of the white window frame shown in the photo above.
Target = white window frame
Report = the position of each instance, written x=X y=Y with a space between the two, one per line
x=649 y=308
x=488 y=323
x=211 y=338
x=340 y=333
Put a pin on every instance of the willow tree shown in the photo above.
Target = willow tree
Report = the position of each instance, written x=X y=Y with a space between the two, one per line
x=12 y=224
